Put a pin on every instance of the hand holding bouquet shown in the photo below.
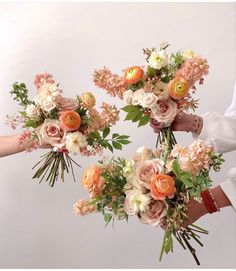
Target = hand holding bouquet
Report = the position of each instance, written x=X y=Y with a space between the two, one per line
x=68 y=126
x=154 y=187
x=159 y=90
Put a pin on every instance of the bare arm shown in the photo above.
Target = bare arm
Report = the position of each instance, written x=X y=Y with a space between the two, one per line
x=9 y=145
x=196 y=209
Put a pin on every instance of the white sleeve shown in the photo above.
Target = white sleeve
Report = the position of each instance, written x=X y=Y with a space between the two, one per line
x=229 y=187
x=219 y=130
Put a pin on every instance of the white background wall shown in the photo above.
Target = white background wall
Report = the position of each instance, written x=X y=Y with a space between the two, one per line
x=37 y=228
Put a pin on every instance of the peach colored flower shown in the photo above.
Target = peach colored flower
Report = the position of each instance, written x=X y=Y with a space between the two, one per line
x=178 y=88
x=69 y=121
x=83 y=207
x=162 y=186
x=93 y=181
x=154 y=215
x=193 y=69
x=66 y=104
x=147 y=169
x=49 y=133
x=88 y=100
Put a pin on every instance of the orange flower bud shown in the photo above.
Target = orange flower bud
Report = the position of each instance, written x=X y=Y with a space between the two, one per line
x=133 y=75
x=178 y=88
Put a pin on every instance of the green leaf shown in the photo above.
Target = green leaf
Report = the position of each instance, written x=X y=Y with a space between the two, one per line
x=129 y=108
x=117 y=145
x=188 y=183
x=168 y=246
x=123 y=137
x=138 y=117
x=31 y=123
x=176 y=168
x=107 y=218
x=144 y=120
x=109 y=146
x=151 y=72
x=115 y=135
x=106 y=132
x=123 y=141
x=132 y=115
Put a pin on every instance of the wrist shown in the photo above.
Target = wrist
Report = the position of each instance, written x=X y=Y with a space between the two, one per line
x=208 y=199
x=220 y=197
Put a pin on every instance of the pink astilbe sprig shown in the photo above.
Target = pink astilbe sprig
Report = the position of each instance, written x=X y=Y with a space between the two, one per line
x=83 y=207
x=27 y=141
x=14 y=120
x=99 y=121
x=194 y=69
x=95 y=150
x=42 y=78
x=112 y=83
x=110 y=114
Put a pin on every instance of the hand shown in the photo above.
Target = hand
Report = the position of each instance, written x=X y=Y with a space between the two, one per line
x=182 y=122
x=195 y=210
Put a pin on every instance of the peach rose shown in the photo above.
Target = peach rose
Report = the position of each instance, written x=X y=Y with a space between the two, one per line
x=66 y=104
x=49 y=133
x=69 y=121
x=153 y=216
x=178 y=88
x=93 y=181
x=88 y=100
x=165 y=112
x=147 y=169
x=162 y=186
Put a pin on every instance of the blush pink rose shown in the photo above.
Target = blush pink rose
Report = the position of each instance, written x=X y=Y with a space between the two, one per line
x=165 y=111
x=155 y=214
x=147 y=169
x=49 y=133
x=66 y=104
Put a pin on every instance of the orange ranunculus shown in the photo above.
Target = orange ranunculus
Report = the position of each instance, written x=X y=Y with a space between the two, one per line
x=93 y=181
x=162 y=186
x=178 y=88
x=133 y=75
x=69 y=121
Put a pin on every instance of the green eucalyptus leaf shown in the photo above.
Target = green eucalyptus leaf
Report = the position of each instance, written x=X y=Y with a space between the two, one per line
x=144 y=120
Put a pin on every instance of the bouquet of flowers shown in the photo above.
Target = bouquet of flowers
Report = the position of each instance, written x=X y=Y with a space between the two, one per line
x=159 y=90
x=154 y=187
x=67 y=126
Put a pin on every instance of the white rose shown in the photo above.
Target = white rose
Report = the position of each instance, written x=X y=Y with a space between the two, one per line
x=161 y=90
x=142 y=154
x=128 y=169
x=46 y=103
x=138 y=97
x=136 y=202
x=75 y=141
x=48 y=89
x=149 y=100
x=158 y=60
x=32 y=111
x=128 y=96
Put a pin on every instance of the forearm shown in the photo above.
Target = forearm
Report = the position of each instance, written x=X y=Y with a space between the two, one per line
x=9 y=145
